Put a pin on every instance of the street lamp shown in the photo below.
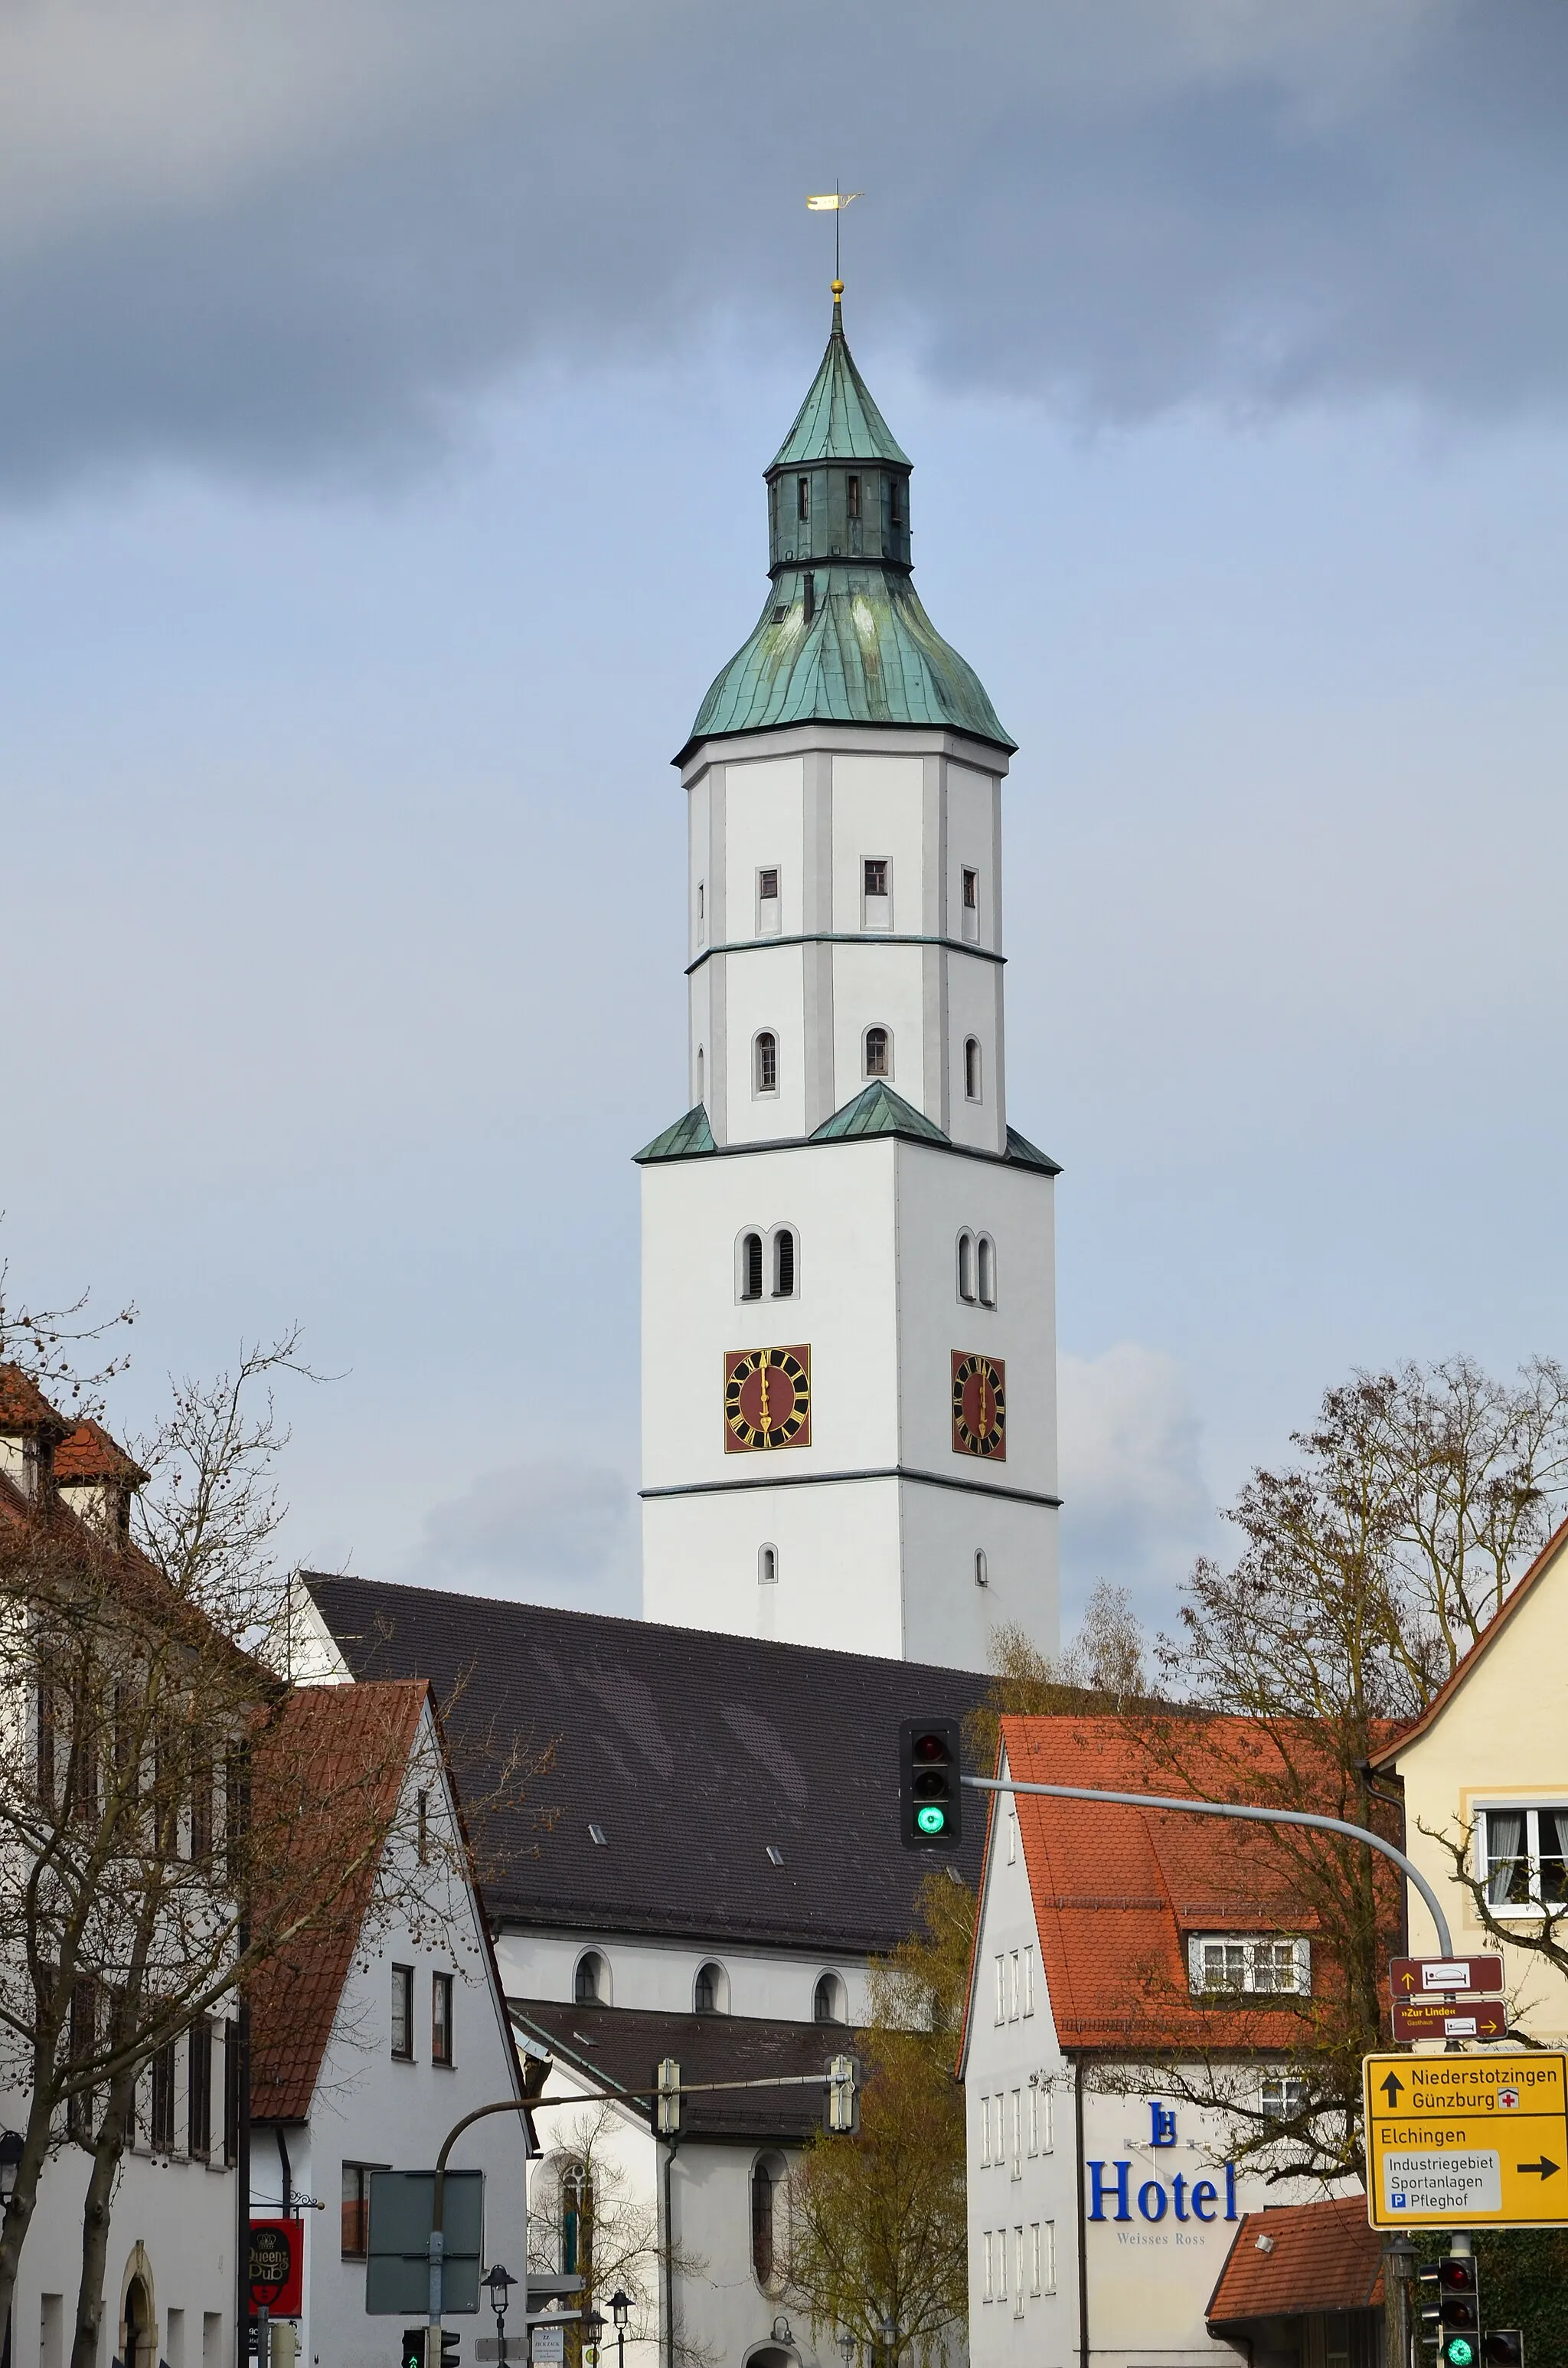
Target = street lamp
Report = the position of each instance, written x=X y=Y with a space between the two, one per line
x=10 y=2161
x=592 y=2324
x=849 y=2346
x=620 y=2306
x=500 y=2282
x=889 y=2333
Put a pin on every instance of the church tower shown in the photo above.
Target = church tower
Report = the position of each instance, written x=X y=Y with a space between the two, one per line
x=848 y=1319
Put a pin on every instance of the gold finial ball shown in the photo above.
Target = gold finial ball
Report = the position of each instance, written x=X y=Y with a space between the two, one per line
x=837 y=290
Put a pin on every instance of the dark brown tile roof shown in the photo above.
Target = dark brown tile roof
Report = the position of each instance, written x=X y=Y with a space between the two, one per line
x=621 y=2047
x=691 y=1751
x=1295 y=2258
x=88 y=1454
x=334 y=1731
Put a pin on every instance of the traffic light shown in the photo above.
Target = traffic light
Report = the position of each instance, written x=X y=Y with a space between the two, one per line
x=413 y=2346
x=666 y=2098
x=1504 y=2346
x=450 y=2341
x=842 y=2110
x=1459 y=2311
x=929 y=1798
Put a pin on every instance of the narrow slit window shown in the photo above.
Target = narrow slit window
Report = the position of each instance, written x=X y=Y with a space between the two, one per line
x=751 y=1267
x=878 y=1045
x=895 y=503
x=982 y=1567
x=971 y=890
x=440 y=2018
x=986 y=1263
x=966 y=1268
x=767 y=1567
x=809 y=595
x=783 y=1264
x=802 y=497
x=402 y=2013
x=852 y=496
x=767 y=1063
x=767 y=882
x=701 y=1076
x=972 y=1068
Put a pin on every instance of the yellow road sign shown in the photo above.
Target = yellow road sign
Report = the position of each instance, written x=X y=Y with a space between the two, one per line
x=1467 y=2141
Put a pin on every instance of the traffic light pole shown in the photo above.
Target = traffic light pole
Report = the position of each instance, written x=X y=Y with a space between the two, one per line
x=1411 y=1873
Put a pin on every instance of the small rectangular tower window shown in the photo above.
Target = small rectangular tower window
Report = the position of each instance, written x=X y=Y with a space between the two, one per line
x=767 y=901
x=876 y=893
x=802 y=497
x=970 y=907
x=402 y=2013
x=440 y=2018
x=852 y=496
x=895 y=503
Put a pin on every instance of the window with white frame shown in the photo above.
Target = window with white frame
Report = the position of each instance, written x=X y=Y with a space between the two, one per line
x=877 y=1052
x=1018 y=2272
x=876 y=893
x=1029 y=1979
x=1002 y=1988
x=1012 y=1816
x=988 y=2277
x=765 y=1062
x=1525 y=1853
x=1016 y=2151
x=1001 y=2265
x=985 y=2134
x=970 y=904
x=1043 y=2257
x=1040 y=2117
x=767 y=901
x=1281 y=2096
x=1015 y=1984
x=1248 y=1964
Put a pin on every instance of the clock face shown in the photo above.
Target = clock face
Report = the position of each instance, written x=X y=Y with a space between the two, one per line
x=979 y=1406
x=767 y=1398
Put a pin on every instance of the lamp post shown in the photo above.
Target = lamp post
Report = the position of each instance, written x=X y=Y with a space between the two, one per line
x=849 y=2346
x=620 y=2310
x=11 y=2143
x=592 y=2324
x=500 y=2282
x=889 y=2331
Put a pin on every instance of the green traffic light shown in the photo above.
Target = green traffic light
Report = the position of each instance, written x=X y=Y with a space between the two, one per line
x=930 y=1820
x=1459 y=2351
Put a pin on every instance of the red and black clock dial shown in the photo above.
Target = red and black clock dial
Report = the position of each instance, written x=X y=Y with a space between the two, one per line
x=767 y=1398
x=979 y=1406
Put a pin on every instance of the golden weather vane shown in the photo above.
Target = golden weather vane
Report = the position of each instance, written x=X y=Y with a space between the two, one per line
x=834 y=203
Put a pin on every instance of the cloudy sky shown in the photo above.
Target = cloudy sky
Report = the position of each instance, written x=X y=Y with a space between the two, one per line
x=383 y=394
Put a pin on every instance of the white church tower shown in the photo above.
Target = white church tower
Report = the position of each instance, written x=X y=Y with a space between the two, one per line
x=849 y=1320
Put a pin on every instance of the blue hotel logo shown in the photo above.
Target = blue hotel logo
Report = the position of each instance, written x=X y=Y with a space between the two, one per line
x=1185 y=2198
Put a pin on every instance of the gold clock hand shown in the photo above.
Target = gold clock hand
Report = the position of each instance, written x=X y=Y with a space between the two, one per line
x=765 y=1422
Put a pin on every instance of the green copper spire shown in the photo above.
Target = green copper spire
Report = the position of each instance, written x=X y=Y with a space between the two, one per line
x=843 y=638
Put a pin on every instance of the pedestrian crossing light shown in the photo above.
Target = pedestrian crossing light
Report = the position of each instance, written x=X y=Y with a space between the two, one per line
x=413 y=2354
x=930 y=1800
x=666 y=2098
x=843 y=2109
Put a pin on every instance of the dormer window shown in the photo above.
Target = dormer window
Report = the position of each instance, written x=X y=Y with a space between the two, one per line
x=1248 y=1965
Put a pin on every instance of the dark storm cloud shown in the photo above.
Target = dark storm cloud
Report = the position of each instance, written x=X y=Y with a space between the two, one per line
x=291 y=238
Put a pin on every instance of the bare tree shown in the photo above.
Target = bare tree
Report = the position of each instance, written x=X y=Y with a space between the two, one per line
x=589 y=2218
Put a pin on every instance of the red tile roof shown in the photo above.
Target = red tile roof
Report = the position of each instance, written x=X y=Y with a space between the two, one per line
x=88 y=1454
x=1118 y=1890
x=331 y=1731
x=1543 y=1562
x=23 y=1406
x=1316 y=2256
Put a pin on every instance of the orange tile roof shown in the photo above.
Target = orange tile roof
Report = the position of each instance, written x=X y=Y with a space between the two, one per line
x=88 y=1454
x=1389 y=1755
x=332 y=1731
x=1116 y=1890
x=23 y=1406
x=1318 y=2257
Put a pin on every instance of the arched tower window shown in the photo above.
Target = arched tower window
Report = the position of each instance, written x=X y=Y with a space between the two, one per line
x=590 y=1985
x=966 y=1267
x=827 y=2000
x=982 y=1567
x=879 y=1052
x=767 y=2185
x=985 y=1270
x=783 y=1264
x=701 y=1076
x=711 y=1991
x=765 y=1058
x=972 y=1068
x=767 y=1566
x=751 y=1266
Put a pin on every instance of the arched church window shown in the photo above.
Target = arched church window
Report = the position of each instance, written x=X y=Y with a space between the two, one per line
x=784 y=1264
x=985 y=1270
x=701 y=1076
x=827 y=2000
x=591 y=1984
x=766 y=1058
x=767 y=2181
x=751 y=1266
x=767 y=1567
x=982 y=1567
x=710 y=1990
x=879 y=1052
x=966 y=1267
x=972 y=1068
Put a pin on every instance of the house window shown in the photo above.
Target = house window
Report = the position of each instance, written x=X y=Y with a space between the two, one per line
x=982 y=1567
x=81 y=2043
x=590 y=1986
x=355 y=2240
x=1043 y=2257
x=1039 y=2118
x=163 y=2126
x=577 y=2221
x=879 y=1052
x=767 y=1567
x=231 y=2094
x=710 y=1993
x=966 y=1268
x=402 y=2013
x=440 y=2018
x=422 y=1828
x=1248 y=1964
x=751 y=1266
x=201 y=1795
x=765 y=1056
x=802 y=497
x=783 y=1264
x=972 y=1068
x=827 y=2000
x=767 y=2175
x=1282 y=2099
x=1029 y=1979
x=988 y=2289
x=1015 y=1985
x=985 y=1270
x=1001 y=2265
x=1525 y=1858
x=1001 y=1988
x=852 y=496
x=876 y=875
x=971 y=890
x=984 y=2133
x=198 y=2091
x=1018 y=2273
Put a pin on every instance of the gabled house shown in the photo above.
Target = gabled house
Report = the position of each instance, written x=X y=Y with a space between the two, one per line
x=370 y=2041
x=1124 y=1959
x=1489 y=1760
